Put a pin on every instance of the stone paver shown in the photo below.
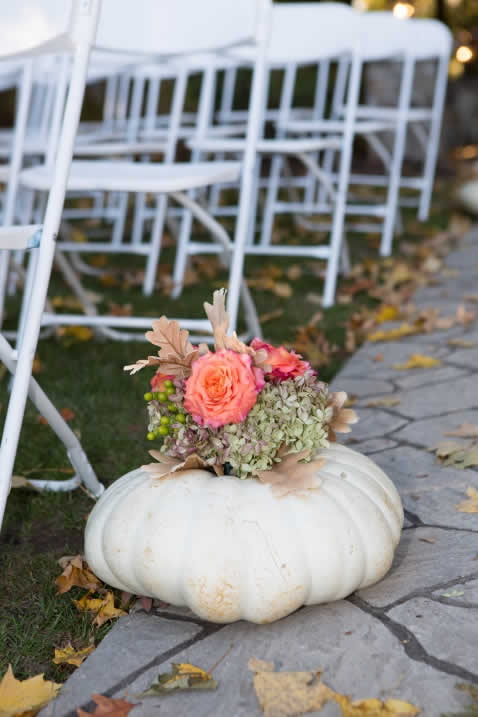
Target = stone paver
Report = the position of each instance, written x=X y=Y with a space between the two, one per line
x=412 y=636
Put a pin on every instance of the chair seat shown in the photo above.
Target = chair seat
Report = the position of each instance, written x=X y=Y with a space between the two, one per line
x=361 y=126
x=266 y=146
x=135 y=177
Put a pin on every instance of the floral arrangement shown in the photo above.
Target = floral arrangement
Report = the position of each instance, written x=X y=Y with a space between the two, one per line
x=252 y=411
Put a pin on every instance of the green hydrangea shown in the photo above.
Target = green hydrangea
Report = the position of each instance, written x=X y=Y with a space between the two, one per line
x=293 y=412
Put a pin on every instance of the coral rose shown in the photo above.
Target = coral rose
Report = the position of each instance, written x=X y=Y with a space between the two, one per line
x=222 y=388
x=157 y=382
x=284 y=364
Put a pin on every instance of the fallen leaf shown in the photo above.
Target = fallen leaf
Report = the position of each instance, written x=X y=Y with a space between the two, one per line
x=383 y=401
x=37 y=366
x=107 y=707
x=25 y=697
x=270 y=315
x=417 y=361
x=375 y=708
x=471 y=504
x=466 y=430
x=104 y=608
x=286 y=694
x=313 y=298
x=69 y=656
x=294 y=272
x=76 y=573
x=120 y=309
x=282 y=289
x=67 y=414
x=462 y=343
x=443 y=449
x=67 y=302
x=76 y=333
x=386 y=313
x=183 y=676
x=471 y=297
x=453 y=594
x=432 y=541
x=394 y=334
x=21 y=482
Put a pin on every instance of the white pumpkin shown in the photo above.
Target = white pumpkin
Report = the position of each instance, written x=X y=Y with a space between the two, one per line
x=230 y=549
x=468 y=195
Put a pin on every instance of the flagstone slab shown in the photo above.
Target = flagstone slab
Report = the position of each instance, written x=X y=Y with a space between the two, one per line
x=416 y=378
x=358 y=655
x=424 y=402
x=421 y=565
x=373 y=423
x=133 y=644
x=364 y=363
x=464 y=593
x=445 y=631
x=373 y=445
x=430 y=431
x=363 y=387
x=427 y=488
x=465 y=357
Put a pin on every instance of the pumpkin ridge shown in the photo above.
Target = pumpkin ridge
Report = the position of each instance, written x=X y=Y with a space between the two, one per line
x=118 y=500
x=394 y=526
x=345 y=590
x=346 y=453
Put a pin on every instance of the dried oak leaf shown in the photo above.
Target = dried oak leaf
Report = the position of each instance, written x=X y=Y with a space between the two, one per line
x=183 y=676
x=383 y=401
x=107 y=707
x=176 y=352
x=167 y=466
x=471 y=504
x=76 y=573
x=290 y=475
x=341 y=417
x=69 y=656
x=286 y=694
x=219 y=319
x=104 y=608
x=25 y=697
x=393 y=334
x=417 y=361
x=466 y=430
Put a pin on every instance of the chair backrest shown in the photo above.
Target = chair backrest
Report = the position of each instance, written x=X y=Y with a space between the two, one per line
x=29 y=23
x=384 y=34
x=174 y=27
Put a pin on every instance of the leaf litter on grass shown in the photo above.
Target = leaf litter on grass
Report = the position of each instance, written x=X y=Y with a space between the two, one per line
x=25 y=697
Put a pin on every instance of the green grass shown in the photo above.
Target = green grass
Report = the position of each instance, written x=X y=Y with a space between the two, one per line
x=87 y=378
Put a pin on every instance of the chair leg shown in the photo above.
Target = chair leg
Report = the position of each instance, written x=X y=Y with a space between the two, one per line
x=155 y=248
x=271 y=198
x=181 y=255
x=76 y=454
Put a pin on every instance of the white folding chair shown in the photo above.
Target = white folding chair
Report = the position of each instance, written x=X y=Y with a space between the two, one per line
x=77 y=40
x=317 y=42
x=157 y=26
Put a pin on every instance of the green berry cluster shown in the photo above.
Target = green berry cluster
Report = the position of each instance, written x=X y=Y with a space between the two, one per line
x=165 y=428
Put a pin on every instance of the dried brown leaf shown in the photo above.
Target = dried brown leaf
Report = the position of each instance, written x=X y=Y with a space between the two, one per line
x=471 y=504
x=76 y=573
x=383 y=401
x=287 y=694
x=107 y=707
x=167 y=466
x=466 y=430
x=291 y=476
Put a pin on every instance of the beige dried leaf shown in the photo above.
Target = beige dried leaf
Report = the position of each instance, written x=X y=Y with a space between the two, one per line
x=256 y=665
x=290 y=475
x=287 y=694
x=466 y=430
x=142 y=363
x=471 y=504
x=167 y=466
x=342 y=417
x=384 y=401
x=176 y=352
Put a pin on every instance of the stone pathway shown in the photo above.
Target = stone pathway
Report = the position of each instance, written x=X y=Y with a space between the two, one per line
x=415 y=634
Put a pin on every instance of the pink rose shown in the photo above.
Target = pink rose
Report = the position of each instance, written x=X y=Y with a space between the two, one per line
x=284 y=364
x=222 y=388
x=157 y=382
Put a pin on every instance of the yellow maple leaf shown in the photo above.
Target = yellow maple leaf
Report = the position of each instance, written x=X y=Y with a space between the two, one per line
x=375 y=708
x=69 y=656
x=387 y=312
x=76 y=572
x=417 y=361
x=394 y=334
x=103 y=607
x=78 y=333
x=471 y=504
x=24 y=697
